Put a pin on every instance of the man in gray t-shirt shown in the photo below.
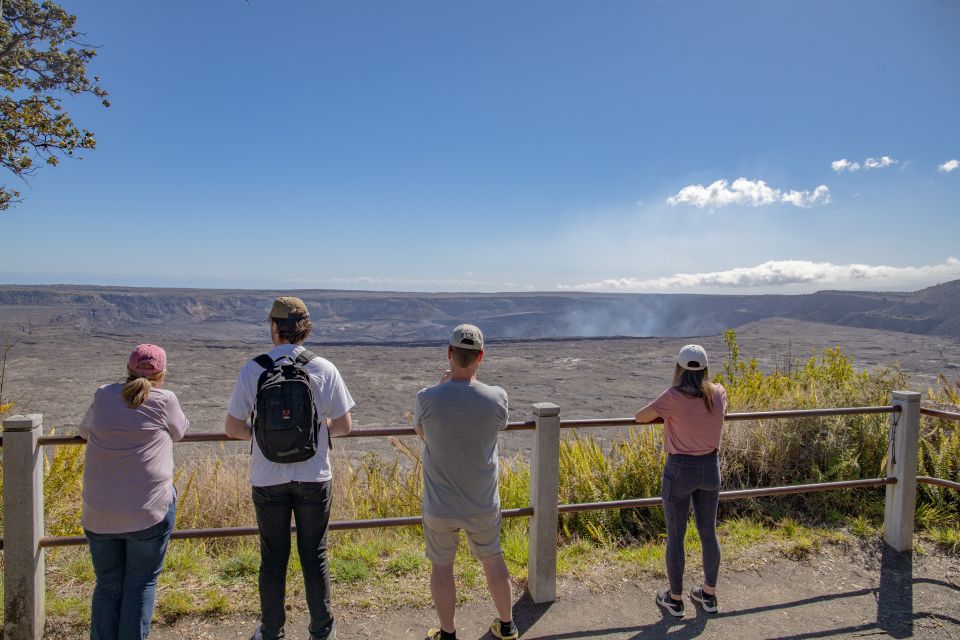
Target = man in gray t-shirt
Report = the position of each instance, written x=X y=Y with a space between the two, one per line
x=459 y=421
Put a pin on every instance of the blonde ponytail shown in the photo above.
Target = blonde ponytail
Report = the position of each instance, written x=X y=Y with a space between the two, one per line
x=137 y=389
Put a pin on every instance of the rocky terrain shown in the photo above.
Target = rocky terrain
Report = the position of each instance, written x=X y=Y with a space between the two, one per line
x=374 y=317
x=55 y=369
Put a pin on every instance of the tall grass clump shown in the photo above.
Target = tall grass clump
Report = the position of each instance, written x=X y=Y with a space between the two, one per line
x=798 y=450
x=629 y=469
x=940 y=449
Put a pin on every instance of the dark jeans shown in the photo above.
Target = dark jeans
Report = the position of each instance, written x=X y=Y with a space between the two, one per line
x=127 y=566
x=309 y=503
x=697 y=479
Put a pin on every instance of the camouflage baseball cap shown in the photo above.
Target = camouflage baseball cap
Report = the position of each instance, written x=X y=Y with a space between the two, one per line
x=288 y=307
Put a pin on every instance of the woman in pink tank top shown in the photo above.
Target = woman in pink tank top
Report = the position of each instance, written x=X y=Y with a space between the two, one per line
x=692 y=409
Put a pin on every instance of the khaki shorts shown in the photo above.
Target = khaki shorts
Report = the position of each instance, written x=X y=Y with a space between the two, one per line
x=442 y=536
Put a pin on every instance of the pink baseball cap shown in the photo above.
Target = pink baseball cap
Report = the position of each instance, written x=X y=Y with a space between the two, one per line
x=147 y=360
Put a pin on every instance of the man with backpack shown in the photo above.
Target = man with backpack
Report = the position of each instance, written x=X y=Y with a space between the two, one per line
x=459 y=421
x=290 y=402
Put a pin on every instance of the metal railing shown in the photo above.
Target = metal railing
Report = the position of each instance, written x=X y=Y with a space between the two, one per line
x=23 y=478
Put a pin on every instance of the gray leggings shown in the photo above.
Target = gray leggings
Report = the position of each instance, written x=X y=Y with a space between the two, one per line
x=698 y=478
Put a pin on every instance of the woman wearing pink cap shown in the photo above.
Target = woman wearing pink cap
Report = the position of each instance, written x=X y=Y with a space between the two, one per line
x=692 y=410
x=129 y=502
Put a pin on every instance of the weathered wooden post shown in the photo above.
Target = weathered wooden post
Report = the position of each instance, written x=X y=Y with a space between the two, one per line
x=23 y=562
x=901 y=498
x=544 y=487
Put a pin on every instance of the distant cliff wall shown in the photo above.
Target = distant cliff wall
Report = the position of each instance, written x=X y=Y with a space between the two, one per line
x=373 y=316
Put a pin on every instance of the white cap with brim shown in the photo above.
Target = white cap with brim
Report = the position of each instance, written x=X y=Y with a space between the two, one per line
x=467 y=336
x=692 y=357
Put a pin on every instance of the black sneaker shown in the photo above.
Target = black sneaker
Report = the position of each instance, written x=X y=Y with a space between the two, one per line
x=707 y=601
x=331 y=634
x=671 y=606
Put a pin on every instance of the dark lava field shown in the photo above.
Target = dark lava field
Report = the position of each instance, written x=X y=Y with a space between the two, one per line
x=62 y=351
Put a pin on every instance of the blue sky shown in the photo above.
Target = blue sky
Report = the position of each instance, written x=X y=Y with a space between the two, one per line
x=508 y=146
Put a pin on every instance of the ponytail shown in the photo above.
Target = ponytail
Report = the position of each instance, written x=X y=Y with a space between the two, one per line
x=137 y=388
x=695 y=384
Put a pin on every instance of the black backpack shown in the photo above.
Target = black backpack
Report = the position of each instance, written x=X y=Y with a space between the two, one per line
x=285 y=422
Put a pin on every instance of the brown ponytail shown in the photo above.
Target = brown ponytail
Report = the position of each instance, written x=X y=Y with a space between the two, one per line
x=137 y=389
x=695 y=384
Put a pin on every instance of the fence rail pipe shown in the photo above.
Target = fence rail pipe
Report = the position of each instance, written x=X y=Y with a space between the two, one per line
x=232 y=532
x=939 y=413
x=901 y=498
x=24 y=578
x=544 y=496
x=219 y=436
x=736 y=417
x=939 y=482
x=372 y=432
x=737 y=494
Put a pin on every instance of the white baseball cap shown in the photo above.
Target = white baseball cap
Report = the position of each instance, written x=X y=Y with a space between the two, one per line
x=692 y=357
x=467 y=336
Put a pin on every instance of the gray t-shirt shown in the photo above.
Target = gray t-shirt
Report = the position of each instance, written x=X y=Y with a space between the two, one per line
x=128 y=470
x=459 y=422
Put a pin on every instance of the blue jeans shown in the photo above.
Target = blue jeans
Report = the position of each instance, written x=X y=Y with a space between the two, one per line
x=689 y=479
x=309 y=503
x=127 y=566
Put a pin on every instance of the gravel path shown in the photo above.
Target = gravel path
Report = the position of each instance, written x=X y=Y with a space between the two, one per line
x=846 y=593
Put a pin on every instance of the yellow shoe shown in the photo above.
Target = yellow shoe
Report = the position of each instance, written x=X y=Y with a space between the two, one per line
x=496 y=628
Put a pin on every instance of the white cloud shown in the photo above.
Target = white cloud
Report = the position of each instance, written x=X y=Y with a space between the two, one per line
x=949 y=166
x=879 y=163
x=753 y=193
x=843 y=164
x=807 y=199
x=882 y=162
x=782 y=273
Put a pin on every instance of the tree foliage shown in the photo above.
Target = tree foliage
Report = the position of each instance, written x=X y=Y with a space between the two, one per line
x=42 y=58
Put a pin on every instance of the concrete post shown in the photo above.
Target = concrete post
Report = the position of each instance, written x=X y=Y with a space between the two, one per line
x=544 y=487
x=902 y=465
x=23 y=565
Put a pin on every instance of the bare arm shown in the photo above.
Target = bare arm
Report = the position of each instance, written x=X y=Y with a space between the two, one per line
x=340 y=426
x=237 y=429
x=418 y=411
x=647 y=414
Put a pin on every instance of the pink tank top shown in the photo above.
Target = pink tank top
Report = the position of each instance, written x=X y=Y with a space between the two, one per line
x=689 y=428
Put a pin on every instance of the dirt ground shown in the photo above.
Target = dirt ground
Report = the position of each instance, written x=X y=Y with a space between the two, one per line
x=848 y=592
x=55 y=370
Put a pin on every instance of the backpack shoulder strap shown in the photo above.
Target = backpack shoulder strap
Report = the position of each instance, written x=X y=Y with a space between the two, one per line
x=264 y=360
x=303 y=358
x=306 y=356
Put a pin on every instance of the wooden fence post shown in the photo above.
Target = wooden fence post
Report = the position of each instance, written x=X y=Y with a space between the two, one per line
x=544 y=486
x=23 y=562
x=901 y=500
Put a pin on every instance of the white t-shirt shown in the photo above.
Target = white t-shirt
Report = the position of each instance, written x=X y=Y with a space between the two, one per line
x=331 y=398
